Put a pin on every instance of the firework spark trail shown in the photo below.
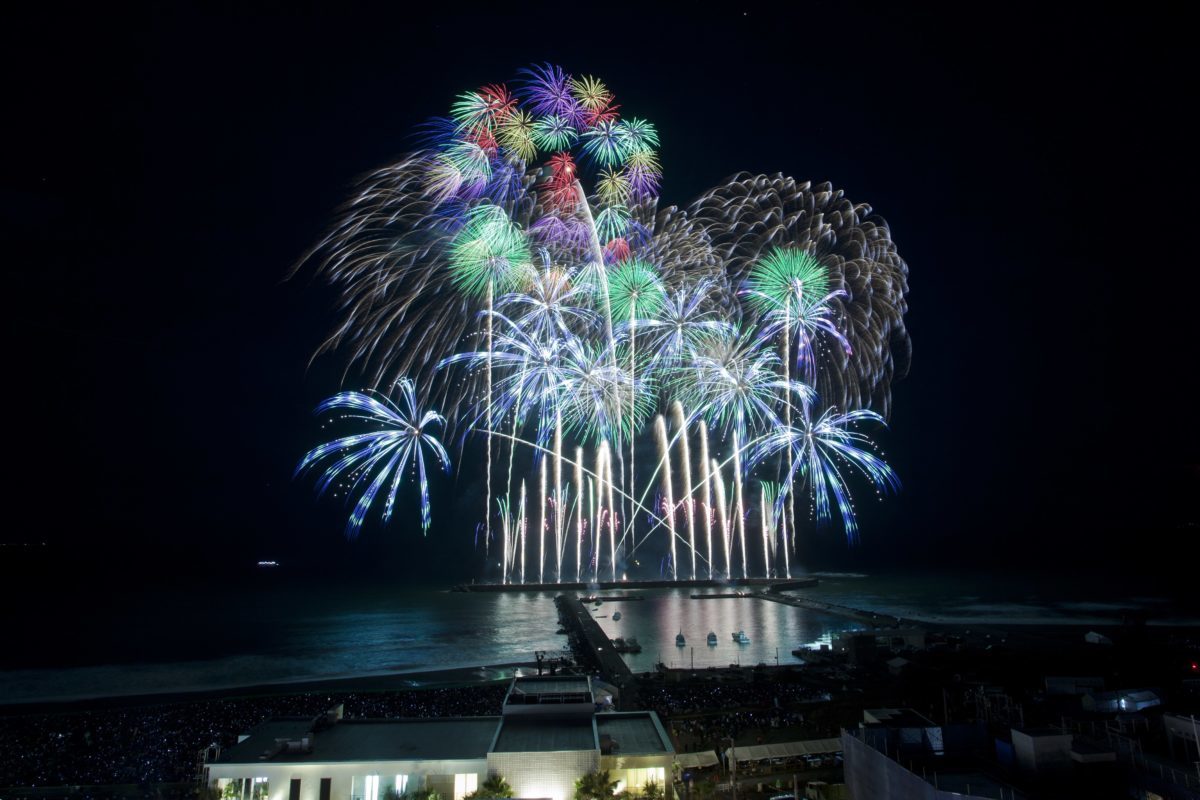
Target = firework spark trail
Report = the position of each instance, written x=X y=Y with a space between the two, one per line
x=771 y=517
x=542 y=522
x=579 y=497
x=523 y=526
x=686 y=456
x=558 y=495
x=790 y=521
x=592 y=484
x=706 y=479
x=739 y=503
x=664 y=449
x=612 y=508
x=722 y=515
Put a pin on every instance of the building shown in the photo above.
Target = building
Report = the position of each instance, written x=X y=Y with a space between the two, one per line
x=1183 y=736
x=1123 y=700
x=549 y=734
x=877 y=774
x=1040 y=749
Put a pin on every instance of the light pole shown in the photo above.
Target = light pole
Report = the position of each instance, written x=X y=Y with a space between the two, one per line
x=733 y=765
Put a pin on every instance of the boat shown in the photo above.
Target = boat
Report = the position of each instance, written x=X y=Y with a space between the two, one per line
x=741 y=638
x=679 y=640
x=712 y=638
x=629 y=645
x=616 y=616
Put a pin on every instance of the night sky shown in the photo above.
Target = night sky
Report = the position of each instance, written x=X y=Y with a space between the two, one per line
x=164 y=169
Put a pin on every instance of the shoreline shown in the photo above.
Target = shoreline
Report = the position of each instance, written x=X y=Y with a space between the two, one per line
x=371 y=682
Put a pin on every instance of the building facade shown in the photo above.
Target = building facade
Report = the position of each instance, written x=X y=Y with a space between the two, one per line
x=549 y=734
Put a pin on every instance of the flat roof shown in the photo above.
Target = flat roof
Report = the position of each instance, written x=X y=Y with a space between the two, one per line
x=632 y=733
x=449 y=738
x=545 y=735
x=551 y=685
x=898 y=718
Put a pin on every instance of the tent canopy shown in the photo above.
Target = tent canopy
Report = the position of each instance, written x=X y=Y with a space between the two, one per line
x=761 y=752
x=707 y=758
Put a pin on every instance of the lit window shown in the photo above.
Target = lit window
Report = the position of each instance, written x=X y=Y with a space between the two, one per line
x=464 y=784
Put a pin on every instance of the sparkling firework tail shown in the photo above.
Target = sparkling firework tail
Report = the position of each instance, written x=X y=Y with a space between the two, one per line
x=664 y=449
x=686 y=459
x=523 y=527
x=706 y=478
x=558 y=494
x=579 y=498
x=722 y=515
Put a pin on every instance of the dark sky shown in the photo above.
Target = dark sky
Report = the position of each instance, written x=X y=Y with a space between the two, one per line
x=164 y=169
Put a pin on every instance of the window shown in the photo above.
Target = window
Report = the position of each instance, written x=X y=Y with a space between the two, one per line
x=364 y=788
x=326 y=788
x=259 y=788
x=464 y=784
x=401 y=784
x=294 y=789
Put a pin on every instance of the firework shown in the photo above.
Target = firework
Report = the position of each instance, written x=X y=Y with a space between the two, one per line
x=517 y=272
x=381 y=457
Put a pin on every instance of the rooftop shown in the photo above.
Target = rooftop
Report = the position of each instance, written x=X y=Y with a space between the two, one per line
x=897 y=718
x=632 y=734
x=545 y=735
x=450 y=738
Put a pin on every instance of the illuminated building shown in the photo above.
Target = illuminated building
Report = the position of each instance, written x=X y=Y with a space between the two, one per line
x=550 y=733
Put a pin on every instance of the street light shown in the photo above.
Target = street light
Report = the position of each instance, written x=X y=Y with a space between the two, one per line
x=732 y=764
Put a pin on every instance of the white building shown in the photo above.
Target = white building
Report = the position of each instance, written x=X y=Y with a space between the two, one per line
x=548 y=736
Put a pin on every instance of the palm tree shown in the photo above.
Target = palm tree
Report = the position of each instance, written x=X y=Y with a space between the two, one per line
x=596 y=785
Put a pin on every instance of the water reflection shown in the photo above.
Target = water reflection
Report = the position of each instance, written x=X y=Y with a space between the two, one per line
x=774 y=629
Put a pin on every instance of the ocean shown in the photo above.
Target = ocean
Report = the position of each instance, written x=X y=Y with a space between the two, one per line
x=269 y=630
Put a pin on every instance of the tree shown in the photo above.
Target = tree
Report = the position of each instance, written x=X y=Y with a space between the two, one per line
x=596 y=785
x=494 y=788
x=652 y=791
x=424 y=794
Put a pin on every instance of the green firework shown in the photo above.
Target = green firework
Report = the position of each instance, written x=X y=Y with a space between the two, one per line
x=787 y=279
x=489 y=251
x=635 y=290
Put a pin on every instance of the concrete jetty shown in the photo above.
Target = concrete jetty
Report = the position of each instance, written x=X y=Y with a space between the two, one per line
x=586 y=633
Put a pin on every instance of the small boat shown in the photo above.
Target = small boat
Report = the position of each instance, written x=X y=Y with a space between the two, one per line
x=679 y=640
x=741 y=638
x=616 y=616
x=712 y=639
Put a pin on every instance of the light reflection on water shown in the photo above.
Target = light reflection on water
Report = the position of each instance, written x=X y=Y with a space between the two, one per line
x=774 y=629
x=192 y=638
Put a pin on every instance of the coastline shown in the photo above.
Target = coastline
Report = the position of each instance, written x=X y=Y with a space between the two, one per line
x=369 y=682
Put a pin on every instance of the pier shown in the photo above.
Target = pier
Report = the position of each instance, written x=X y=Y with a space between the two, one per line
x=869 y=618
x=587 y=635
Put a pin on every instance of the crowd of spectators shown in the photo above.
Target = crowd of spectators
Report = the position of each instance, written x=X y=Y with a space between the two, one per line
x=165 y=743
x=703 y=716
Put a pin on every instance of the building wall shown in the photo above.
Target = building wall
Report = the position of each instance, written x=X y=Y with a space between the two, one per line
x=1041 y=752
x=634 y=772
x=437 y=774
x=870 y=774
x=543 y=775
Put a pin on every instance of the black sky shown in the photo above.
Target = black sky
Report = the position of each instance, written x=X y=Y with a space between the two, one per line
x=165 y=168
